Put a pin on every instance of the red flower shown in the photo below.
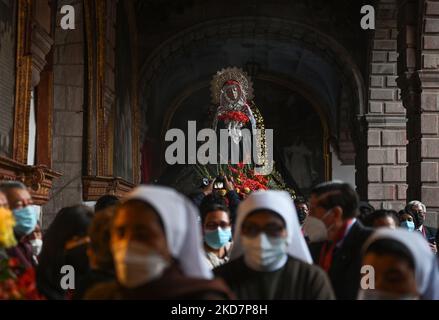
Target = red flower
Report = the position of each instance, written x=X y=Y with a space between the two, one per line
x=234 y=116
x=21 y=288
x=233 y=170
x=13 y=263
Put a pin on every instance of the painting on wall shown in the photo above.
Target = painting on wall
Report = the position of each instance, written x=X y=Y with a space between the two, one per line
x=123 y=122
x=7 y=74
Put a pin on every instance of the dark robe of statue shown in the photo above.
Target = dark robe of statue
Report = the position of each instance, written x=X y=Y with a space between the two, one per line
x=296 y=280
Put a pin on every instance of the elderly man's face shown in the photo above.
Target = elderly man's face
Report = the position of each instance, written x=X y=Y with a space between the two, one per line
x=18 y=198
x=418 y=210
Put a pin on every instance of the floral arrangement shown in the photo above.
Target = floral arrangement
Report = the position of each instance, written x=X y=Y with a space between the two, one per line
x=16 y=283
x=237 y=116
x=17 y=287
x=7 y=223
x=246 y=181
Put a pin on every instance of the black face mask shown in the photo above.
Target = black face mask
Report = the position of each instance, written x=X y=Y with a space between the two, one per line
x=77 y=258
x=301 y=213
x=420 y=219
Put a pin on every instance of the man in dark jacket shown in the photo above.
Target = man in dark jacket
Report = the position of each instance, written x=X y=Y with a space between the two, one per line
x=419 y=212
x=336 y=236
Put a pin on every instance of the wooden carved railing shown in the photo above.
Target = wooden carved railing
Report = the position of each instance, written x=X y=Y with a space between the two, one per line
x=94 y=187
x=38 y=179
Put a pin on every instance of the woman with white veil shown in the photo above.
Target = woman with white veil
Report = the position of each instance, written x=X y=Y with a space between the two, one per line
x=402 y=267
x=270 y=258
x=156 y=247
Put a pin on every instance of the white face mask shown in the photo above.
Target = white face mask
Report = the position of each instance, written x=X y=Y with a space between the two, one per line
x=263 y=253
x=315 y=228
x=371 y=294
x=137 y=264
x=37 y=245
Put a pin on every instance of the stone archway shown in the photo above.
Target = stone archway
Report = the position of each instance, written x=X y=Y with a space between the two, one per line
x=344 y=93
x=291 y=110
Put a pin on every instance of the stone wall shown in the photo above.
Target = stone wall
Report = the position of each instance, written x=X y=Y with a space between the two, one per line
x=7 y=74
x=418 y=69
x=385 y=119
x=428 y=139
x=68 y=115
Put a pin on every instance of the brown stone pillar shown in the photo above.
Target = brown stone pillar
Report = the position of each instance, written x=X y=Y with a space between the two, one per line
x=418 y=68
x=385 y=124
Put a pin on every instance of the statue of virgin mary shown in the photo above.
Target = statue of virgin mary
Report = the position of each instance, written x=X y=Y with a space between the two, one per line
x=234 y=109
x=232 y=97
x=232 y=93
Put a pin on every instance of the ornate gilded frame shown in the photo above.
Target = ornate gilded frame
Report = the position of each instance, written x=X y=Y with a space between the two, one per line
x=94 y=12
x=135 y=107
x=23 y=81
x=100 y=102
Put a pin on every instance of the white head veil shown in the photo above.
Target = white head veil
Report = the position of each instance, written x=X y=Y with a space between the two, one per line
x=183 y=233
x=281 y=203
x=426 y=264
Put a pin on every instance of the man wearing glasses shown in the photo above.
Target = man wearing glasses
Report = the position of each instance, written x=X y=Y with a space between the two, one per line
x=419 y=212
x=336 y=236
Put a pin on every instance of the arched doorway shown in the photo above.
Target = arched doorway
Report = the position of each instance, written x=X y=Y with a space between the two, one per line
x=299 y=123
x=324 y=75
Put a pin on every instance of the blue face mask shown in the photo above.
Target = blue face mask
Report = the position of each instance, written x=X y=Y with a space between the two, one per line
x=218 y=238
x=26 y=220
x=409 y=225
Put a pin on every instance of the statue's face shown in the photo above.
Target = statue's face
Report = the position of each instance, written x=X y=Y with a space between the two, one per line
x=232 y=92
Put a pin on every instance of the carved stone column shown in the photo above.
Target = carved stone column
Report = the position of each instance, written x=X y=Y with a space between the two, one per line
x=385 y=123
x=418 y=69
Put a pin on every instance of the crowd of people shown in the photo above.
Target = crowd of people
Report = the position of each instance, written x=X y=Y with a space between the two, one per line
x=156 y=243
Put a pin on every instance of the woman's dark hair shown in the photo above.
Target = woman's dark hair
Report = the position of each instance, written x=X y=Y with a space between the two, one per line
x=100 y=233
x=379 y=214
x=394 y=248
x=403 y=212
x=365 y=209
x=106 y=201
x=212 y=202
x=70 y=222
